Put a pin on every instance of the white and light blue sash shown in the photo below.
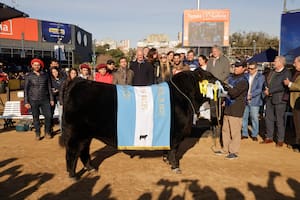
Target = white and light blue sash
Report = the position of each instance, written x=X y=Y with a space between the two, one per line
x=144 y=117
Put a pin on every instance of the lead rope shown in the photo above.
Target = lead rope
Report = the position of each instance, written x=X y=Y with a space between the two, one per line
x=194 y=111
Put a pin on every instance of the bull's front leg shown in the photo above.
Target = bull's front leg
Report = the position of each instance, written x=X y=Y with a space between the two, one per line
x=166 y=157
x=174 y=160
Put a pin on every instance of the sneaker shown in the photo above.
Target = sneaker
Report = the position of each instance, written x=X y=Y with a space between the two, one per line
x=37 y=138
x=254 y=139
x=231 y=156
x=244 y=137
x=220 y=153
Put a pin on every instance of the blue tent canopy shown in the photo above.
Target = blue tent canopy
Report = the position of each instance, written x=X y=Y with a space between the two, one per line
x=265 y=56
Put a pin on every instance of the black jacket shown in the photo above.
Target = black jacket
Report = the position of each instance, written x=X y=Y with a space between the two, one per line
x=143 y=73
x=37 y=87
x=276 y=86
x=237 y=95
x=56 y=85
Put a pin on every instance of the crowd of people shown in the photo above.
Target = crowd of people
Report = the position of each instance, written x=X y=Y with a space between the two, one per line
x=248 y=90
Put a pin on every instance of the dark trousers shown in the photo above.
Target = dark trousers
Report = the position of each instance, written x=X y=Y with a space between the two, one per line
x=275 y=114
x=44 y=106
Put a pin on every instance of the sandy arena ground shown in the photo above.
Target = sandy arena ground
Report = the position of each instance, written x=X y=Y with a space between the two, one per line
x=34 y=170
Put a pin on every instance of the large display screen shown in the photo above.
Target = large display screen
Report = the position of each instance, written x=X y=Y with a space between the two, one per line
x=206 y=28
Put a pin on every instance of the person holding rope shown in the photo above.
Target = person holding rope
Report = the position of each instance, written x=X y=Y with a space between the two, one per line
x=233 y=113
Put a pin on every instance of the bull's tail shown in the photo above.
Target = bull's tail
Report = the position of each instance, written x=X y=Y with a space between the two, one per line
x=61 y=141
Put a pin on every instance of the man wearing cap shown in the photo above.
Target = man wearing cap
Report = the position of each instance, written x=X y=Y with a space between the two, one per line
x=38 y=95
x=233 y=113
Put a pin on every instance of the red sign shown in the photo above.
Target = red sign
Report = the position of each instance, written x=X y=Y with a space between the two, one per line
x=14 y=28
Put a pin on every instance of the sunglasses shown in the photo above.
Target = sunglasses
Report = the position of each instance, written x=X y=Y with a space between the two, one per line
x=251 y=68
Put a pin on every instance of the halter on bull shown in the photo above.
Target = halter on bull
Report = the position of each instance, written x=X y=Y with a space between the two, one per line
x=89 y=104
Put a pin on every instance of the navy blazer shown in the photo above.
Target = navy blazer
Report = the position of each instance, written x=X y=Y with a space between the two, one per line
x=256 y=89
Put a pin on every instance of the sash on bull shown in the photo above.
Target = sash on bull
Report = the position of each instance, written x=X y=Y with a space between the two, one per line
x=89 y=104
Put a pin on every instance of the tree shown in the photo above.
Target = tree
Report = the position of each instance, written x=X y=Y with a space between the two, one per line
x=114 y=53
x=247 y=43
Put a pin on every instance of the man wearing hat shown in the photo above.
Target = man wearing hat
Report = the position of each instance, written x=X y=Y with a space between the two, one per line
x=233 y=113
x=38 y=95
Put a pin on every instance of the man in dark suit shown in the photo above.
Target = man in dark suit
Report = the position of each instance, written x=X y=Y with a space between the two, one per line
x=143 y=70
x=275 y=103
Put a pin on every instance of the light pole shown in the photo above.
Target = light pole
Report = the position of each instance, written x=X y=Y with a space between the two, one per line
x=284 y=6
x=59 y=43
x=254 y=47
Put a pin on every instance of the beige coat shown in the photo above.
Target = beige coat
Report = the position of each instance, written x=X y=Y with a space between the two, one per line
x=123 y=77
x=294 y=92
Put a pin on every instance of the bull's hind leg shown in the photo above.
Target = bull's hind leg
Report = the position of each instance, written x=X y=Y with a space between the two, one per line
x=71 y=161
x=85 y=155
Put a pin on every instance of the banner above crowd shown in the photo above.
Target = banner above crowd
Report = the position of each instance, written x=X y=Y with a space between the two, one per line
x=53 y=32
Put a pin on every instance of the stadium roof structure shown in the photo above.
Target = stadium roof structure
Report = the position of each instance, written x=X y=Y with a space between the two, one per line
x=7 y=12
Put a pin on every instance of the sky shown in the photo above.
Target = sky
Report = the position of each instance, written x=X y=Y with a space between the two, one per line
x=136 y=19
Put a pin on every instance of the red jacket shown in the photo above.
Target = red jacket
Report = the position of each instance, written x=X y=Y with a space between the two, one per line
x=107 y=78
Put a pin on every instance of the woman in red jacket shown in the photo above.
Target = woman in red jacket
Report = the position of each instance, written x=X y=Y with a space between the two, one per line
x=102 y=75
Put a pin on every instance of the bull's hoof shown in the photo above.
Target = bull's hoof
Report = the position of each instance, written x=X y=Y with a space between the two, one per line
x=177 y=170
x=165 y=159
x=74 y=178
x=90 y=169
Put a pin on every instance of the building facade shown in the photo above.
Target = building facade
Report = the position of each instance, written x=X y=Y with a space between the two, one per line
x=22 y=39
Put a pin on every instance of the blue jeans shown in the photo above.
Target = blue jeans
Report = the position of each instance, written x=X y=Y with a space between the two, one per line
x=254 y=115
x=45 y=107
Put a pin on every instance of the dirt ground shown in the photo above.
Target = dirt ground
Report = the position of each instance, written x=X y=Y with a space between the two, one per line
x=34 y=170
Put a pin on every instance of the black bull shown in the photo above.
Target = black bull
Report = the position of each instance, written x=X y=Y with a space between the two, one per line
x=90 y=111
